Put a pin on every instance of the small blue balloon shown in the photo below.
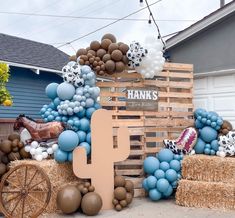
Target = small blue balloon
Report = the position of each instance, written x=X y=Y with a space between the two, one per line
x=207 y=151
x=198 y=124
x=86 y=146
x=168 y=192
x=171 y=175
x=45 y=120
x=89 y=112
x=174 y=184
x=84 y=124
x=56 y=101
x=177 y=157
x=70 y=156
x=215 y=145
x=151 y=182
x=208 y=146
x=47 y=113
x=51 y=90
x=199 y=118
x=165 y=155
x=159 y=174
x=77 y=123
x=81 y=136
x=85 y=69
x=162 y=185
x=58 y=118
x=155 y=195
x=43 y=110
x=60 y=156
x=81 y=113
x=88 y=138
x=50 y=118
x=164 y=166
x=151 y=164
x=52 y=106
x=97 y=106
x=64 y=119
x=214 y=118
x=68 y=140
x=70 y=122
x=208 y=122
x=212 y=152
x=175 y=165
x=144 y=185
x=213 y=124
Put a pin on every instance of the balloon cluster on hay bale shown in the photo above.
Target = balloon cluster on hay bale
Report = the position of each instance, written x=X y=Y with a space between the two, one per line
x=163 y=171
x=11 y=149
x=73 y=103
x=123 y=192
x=105 y=57
x=184 y=143
x=209 y=124
x=72 y=198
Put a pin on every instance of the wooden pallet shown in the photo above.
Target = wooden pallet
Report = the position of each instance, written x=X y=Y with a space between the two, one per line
x=149 y=128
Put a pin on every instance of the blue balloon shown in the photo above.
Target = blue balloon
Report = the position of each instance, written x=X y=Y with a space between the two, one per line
x=168 y=192
x=208 y=134
x=45 y=120
x=199 y=118
x=151 y=164
x=208 y=122
x=198 y=124
x=70 y=122
x=207 y=151
x=174 y=184
x=76 y=123
x=85 y=69
x=58 y=118
x=88 y=138
x=155 y=195
x=50 y=117
x=208 y=146
x=165 y=155
x=52 y=106
x=81 y=136
x=89 y=112
x=214 y=118
x=177 y=157
x=97 y=106
x=200 y=146
x=81 y=113
x=56 y=101
x=164 y=166
x=43 y=110
x=47 y=113
x=68 y=140
x=89 y=102
x=212 y=152
x=179 y=176
x=159 y=174
x=204 y=120
x=171 y=175
x=86 y=146
x=60 y=156
x=144 y=185
x=151 y=182
x=219 y=121
x=84 y=124
x=215 y=145
x=70 y=156
x=64 y=119
x=51 y=90
x=213 y=124
x=175 y=165
x=162 y=185
x=65 y=91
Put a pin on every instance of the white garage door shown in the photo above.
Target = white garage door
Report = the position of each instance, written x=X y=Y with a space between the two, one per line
x=216 y=93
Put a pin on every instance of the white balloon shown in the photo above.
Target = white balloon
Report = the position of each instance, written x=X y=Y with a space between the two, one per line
x=25 y=135
x=38 y=151
x=32 y=151
x=222 y=154
x=50 y=151
x=27 y=148
x=54 y=147
x=34 y=144
x=44 y=155
x=38 y=157
x=221 y=148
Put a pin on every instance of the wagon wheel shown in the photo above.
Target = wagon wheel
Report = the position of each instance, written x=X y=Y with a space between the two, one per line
x=25 y=191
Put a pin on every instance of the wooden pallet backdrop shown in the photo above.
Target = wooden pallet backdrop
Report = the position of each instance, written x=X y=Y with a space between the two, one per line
x=149 y=128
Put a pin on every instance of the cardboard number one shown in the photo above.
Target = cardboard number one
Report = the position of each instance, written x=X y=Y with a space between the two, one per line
x=103 y=155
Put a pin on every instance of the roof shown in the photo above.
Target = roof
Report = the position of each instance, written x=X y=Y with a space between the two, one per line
x=201 y=25
x=27 y=52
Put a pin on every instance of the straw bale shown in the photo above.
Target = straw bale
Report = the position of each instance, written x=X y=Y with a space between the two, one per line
x=206 y=194
x=59 y=175
x=208 y=168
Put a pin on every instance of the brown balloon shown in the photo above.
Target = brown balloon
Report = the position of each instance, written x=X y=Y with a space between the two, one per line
x=101 y=72
x=3 y=169
x=14 y=156
x=112 y=47
x=15 y=149
x=85 y=58
x=123 y=203
x=81 y=61
x=116 y=55
x=24 y=154
x=105 y=44
x=87 y=184
x=110 y=37
x=68 y=199
x=95 y=45
x=88 y=48
x=119 y=66
x=13 y=136
x=115 y=202
x=87 y=62
x=5 y=159
x=100 y=53
x=84 y=190
x=119 y=181
x=129 y=197
x=118 y=207
x=91 y=204
x=15 y=143
x=120 y=193
x=110 y=66
x=106 y=57
x=97 y=68
x=95 y=63
x=125 y=60
x=129 y=186
x=73 y=58
x=226 y=127
x=89 y=55
x=102 y=67
x=81 y=51
x=91 y=60
x=5 y=146
x=123 y=48
x=119 y=43
x=92 y=52
x=80 y=187
x=91 y=189
x=20 y=145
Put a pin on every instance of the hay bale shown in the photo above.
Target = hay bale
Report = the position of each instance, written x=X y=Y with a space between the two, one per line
x=208 y=168
x=60 y=175
x=206 y=194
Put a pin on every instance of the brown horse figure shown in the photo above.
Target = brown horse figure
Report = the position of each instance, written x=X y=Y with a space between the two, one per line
x=39 y=131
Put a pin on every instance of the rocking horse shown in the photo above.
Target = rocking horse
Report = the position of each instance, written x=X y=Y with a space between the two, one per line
x=39 y=131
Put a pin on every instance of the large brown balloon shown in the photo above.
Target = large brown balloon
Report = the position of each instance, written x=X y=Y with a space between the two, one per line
x=92 y=52
x=14 y=156
x=123 y=48
x=110 y=66
x=106 y=57
x=5 y=146
x=13 y=136
x=120 y=193
x=116 y=55
x=119 y=181
x=81 y=51
x=119 y=66
x=24 y=154
x=125 y=60
x=5 y=159
x=109 y=36
x=112 y=47
x=68 y=199
x=3 y=169
x=95 y=45
x=91 y=204
x=105 y=44
x=73 y=58
x=129 y=186
x=101 y=52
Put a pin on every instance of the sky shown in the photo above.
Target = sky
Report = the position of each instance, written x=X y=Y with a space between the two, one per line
x=171 y=16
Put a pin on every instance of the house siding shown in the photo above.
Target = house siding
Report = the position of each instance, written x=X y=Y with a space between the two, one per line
x=210 y=50
x=28 y=91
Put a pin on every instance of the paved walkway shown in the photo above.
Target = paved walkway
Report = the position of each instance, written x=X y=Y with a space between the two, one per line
x=163 y=209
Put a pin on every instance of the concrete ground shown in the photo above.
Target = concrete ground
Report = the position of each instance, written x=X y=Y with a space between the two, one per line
x=162 y=209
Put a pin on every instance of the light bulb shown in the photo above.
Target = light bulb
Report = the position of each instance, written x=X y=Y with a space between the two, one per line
x=141 y=3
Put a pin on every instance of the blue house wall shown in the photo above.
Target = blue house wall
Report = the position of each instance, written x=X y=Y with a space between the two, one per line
x=28 y=91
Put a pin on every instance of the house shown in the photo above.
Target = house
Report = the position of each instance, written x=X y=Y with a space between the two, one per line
x=209 y=45
x=33 y=66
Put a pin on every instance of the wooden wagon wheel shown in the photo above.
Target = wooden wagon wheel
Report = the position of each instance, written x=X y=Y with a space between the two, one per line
x=25 y=191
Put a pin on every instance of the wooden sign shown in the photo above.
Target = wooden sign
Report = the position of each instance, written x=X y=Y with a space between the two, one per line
x=142 y=98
